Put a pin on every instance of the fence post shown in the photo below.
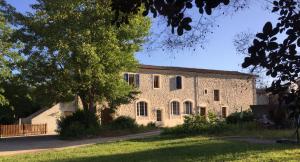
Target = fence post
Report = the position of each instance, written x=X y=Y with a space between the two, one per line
x=23 y=127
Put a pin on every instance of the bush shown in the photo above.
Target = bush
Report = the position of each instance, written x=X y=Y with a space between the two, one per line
x=79 y=124
x=151 y=125
x=240 y=117
x=196 y=124
x=123 y=122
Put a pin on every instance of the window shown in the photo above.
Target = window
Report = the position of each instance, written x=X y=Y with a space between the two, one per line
x=175 y=108
x=142 y=108
x=156 y=82
x=158 y=115
x=179 y=82
x=216 y=95
x=132 y=79
x=202 y=111
x=224 y=112
x=205 y=91
x=188 y=107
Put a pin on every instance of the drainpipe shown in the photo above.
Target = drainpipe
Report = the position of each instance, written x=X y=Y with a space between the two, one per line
x=196 y=91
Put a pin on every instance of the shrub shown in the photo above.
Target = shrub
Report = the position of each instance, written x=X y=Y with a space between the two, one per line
x=79 y=124
x=123 y=122
x=151 y=125
x=196 y=124
x=240 y=117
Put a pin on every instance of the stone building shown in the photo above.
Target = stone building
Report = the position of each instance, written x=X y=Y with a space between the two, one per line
x=170 y=93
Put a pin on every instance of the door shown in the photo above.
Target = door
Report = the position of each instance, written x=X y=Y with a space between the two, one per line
x=158 y=115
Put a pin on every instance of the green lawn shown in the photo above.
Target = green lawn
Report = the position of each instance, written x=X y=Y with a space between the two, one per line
x=164 y=149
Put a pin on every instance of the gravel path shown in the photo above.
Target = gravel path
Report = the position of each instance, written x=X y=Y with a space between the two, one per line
x=19 y=145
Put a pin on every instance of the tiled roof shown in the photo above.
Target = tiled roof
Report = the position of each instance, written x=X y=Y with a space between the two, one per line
x=195 y=70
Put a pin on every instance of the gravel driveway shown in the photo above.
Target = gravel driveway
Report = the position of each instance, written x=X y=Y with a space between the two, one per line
x=18 y=145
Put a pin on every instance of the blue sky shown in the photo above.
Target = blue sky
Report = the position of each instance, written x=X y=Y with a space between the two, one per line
x=219 y=52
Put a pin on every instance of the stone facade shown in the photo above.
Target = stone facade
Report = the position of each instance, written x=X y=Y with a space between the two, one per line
x=237 y=91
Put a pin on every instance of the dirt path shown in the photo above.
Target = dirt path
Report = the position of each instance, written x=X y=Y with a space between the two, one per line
x=19 y=145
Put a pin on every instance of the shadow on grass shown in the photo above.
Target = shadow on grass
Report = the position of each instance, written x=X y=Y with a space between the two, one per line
x=193 y=150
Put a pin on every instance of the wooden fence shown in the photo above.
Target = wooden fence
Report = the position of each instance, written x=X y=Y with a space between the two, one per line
x=22 y=130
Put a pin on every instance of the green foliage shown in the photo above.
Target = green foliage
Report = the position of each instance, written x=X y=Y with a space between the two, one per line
x=79 y=51
x=123 y=122
x=23 y=100
x=151 y=125
x=6 y=115
x=240 y=117
x=164 y=149
x=197 y=124
x=8 y=54
x=79 y=124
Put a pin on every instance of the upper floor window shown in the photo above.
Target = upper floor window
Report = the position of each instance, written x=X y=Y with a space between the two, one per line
x=188 y=107
x=142 y=108
x=132 y=79
x=175 y=109
x=156 y=81
x=216 y=95
x=178 y=82
x=224 y=112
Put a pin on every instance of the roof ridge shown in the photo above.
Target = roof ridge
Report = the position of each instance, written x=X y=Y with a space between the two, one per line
x=200 y=70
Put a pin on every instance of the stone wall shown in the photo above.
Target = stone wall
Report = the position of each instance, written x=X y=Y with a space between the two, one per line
x=236 y=92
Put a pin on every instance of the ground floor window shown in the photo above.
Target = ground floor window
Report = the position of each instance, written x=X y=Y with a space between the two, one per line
x=175 y=108
x=224 y=112
x=188 y=107
x=202 y=111
x=158 y=115
x=142 y=108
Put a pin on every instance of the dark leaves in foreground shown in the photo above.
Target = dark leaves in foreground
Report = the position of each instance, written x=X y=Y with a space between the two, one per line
x=173 y=10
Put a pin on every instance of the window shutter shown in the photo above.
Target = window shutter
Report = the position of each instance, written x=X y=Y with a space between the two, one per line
x=138 y=109
x=137 y=80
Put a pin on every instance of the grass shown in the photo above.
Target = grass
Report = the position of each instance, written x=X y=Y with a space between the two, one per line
x=246 y=130
x=168 y=149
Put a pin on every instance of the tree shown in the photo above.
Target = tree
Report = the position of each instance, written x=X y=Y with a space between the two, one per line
x=73 y=49
x=280 y=59
x=23 y=100
x=8 y=55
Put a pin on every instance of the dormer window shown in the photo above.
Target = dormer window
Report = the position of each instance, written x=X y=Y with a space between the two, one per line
x=178 y=82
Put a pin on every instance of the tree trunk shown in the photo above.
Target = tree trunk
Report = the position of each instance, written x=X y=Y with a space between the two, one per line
x=297 y=129
x=88 y=102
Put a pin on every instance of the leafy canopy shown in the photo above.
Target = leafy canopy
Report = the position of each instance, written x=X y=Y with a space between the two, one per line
x=8 y=54
x=72 y=48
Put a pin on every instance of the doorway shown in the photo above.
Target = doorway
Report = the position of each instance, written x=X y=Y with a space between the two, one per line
x=158 y=115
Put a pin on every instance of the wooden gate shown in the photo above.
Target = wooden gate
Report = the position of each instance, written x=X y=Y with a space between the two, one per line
x=22 y=130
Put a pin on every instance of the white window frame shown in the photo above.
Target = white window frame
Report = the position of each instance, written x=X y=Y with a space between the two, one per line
x=136 y=83
x=190 y=108
x=172 y=110
x=159 y=81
